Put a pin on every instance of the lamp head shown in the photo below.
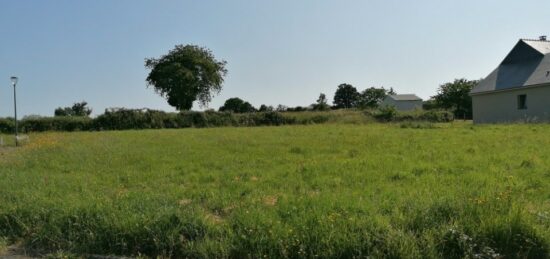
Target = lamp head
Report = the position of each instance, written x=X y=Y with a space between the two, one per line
x=14 y=80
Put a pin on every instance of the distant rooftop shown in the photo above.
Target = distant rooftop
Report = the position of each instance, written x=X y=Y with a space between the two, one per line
x=405 y=97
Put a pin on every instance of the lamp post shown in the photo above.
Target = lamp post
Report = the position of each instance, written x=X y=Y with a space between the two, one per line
x=14 y=83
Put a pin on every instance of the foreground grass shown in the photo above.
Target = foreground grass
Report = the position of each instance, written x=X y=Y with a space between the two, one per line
x=381 y=190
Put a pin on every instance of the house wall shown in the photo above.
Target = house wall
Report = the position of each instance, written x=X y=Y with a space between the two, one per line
x=403 y=105
x=502 y=107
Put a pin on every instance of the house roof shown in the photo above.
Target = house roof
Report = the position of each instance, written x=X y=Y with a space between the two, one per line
x=405 y=97
x=528 y=64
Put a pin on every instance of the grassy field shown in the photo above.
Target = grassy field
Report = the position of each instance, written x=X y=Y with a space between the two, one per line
x=334 y=190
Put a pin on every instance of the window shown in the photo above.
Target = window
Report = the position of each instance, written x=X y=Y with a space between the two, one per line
x=522 y=102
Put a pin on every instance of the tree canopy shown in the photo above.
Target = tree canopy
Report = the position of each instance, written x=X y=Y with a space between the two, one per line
x=186 y=74
x=455 y=96
x=346 y=96
x=372 y=97
x=322 y=103
x=237 y=105
x=265 y=108
x=78 y=109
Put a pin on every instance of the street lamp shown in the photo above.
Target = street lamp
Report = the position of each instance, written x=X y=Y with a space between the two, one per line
x=14 y=83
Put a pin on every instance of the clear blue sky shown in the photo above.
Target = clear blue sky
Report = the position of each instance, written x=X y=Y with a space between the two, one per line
x=278 y=51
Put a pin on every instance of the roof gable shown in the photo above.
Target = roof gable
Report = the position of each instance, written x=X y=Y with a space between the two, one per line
x=404 y=97
x=541 y=46
x=523 y=51
x=527 y=64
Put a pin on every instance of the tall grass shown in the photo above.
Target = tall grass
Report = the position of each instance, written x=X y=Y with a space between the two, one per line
x=332 y=190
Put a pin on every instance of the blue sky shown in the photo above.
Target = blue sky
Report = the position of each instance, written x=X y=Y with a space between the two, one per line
x=278 y=52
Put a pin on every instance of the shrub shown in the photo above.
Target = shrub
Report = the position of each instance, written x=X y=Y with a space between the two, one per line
x=120 y=119
x=389 y=113
x=237 y=105
x=386 y=113
x=438 y=116
x=273 y=118
x=206 y=119
x=6 y=125
x=55 y=124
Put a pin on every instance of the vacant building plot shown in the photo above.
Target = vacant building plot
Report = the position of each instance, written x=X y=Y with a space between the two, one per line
x=333 y=190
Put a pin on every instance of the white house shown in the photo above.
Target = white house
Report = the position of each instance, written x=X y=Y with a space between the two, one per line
x=403 y=102
x=518 y=89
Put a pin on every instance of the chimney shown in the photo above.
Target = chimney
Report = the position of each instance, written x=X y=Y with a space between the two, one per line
x=542 y=38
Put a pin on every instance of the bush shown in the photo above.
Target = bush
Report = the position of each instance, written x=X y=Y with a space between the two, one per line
x=265 y=119
x=275 y=118
x=6 y=125
x=389 y=113
x=386 y=113
x=206 y=119
x=237 y=105
x=120 y=119
x=55 y=123
x=438 y=116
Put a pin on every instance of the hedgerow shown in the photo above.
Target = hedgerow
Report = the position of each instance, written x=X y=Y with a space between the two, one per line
x=127 y=119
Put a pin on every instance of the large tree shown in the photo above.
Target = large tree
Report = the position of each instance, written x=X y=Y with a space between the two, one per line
x=237 y=105
x=372 y=97
x=346 y=96
x=455 y=96
x=186 y=74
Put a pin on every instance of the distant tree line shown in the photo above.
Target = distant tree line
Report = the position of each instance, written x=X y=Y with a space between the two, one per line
x=345 y=97
x=190 y=73
x=452 y=96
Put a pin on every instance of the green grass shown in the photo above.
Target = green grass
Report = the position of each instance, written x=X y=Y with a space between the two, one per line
x=7 y=140
x=3 y=245
x=332 y=190
x=340 y=116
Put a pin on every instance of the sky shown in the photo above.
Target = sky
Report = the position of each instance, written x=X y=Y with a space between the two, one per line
x=277 y=51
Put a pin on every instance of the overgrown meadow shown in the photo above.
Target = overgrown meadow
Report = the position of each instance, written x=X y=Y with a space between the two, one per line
x=332 y=191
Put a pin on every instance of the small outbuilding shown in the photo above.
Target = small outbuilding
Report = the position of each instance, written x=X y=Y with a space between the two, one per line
x=518 y=90
x=403 y=102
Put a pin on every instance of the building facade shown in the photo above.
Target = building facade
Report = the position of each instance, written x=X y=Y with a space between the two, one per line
x=530 y=104
x=403 y=102
x=518 y=90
